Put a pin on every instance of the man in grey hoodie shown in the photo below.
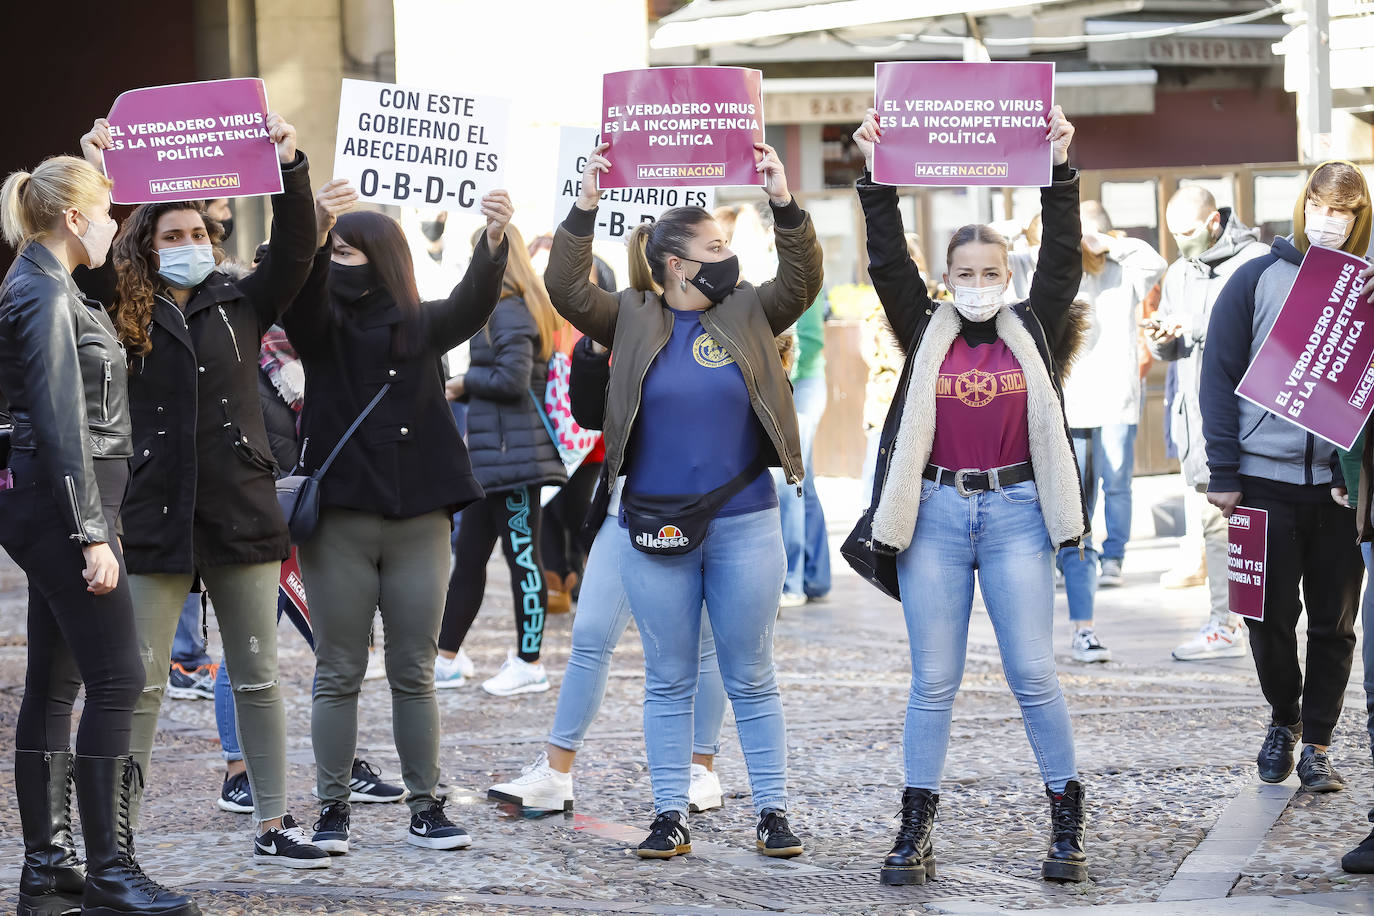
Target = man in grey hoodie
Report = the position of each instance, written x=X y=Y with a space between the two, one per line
x=1262 y=461
x=1212 y=244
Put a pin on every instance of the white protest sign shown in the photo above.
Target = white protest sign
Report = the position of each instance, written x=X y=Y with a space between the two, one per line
x=417 y=147
x=621 y=208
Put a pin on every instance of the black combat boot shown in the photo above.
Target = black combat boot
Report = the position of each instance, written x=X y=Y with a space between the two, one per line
x=1066 y=860
x=53 y=877
x=115 y=884
x=912 y=859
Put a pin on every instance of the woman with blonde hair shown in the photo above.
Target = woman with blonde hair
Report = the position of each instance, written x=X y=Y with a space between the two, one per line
x=63 y=378
x=513 y=455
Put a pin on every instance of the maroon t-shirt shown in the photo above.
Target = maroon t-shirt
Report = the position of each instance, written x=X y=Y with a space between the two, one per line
x=980 y=408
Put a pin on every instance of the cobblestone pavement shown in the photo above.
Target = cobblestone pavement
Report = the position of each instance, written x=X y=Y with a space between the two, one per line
x=1166 y=750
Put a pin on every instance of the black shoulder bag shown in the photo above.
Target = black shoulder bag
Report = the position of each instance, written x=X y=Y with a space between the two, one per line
x=299 y=494
x=669 y=526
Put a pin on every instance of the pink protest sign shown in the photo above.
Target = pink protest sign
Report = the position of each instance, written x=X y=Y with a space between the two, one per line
x=682 y=126
x=1247 y=554
x=192 y=141
x=1316 y=366
x=953 y=123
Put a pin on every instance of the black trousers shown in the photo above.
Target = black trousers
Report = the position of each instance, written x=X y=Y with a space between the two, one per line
x=560 y=543
x=75 y=637
x=511 y=517
x=1312 y=553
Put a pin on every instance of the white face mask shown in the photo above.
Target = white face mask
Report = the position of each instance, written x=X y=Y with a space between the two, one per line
x=1327 y=231
x=97 y=238
x=979 y=303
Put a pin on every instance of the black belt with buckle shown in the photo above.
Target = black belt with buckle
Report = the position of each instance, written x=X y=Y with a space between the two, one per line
x=968 y=481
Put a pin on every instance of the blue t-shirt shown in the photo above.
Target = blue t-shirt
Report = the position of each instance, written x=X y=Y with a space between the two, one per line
x=696 y=429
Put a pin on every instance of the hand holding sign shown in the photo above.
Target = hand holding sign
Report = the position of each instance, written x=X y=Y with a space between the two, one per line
x=868 y=134
x=774 y=175
x=1226 y=501
x=96 y=139
x=597 y=163
x=283 y=135
x=338 y=196
x=1060 y=135
x=498 y=210
x=1365 y=276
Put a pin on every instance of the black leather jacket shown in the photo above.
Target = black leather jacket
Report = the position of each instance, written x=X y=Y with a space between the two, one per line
x=63 y=375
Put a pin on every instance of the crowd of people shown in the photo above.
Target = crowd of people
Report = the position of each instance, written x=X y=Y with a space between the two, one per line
x=156 y=391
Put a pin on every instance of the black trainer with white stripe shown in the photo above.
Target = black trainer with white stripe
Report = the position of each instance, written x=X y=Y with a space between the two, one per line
x=668 y=837
x=431 y=829
x=775 y=838
x=288 y=845
x=236 y=795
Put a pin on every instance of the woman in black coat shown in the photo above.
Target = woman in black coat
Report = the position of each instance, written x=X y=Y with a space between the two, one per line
x=386 y=502
x=202 y=493
x=513 y=455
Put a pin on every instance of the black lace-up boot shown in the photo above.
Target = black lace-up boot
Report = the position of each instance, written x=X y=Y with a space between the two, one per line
x=115 y=884
x=1066 y=860
x=53 y=877
x=912 y=859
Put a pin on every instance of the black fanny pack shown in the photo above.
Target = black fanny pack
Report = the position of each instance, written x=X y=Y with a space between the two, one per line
x=669 y=526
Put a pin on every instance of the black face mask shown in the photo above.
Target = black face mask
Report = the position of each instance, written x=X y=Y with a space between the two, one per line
x=349 y=283
x=432 y=229
x=716 y=279
x=227 y=224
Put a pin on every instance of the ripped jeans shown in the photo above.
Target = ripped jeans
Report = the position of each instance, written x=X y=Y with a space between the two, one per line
x=245 y=602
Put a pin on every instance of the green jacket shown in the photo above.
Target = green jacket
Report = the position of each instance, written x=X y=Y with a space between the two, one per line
x=636 y=325
x=811 y=340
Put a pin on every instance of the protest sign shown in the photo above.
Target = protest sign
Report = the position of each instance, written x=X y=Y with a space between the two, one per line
x=621 y=208
x=682 y=126
x=951 y=123
x=1316 y=366
x=191 y=141
x=1246 y=558
x=417 y=147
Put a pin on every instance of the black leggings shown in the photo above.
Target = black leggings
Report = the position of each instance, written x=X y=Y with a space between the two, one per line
x=75 y=637
x=561 y=542
x=511 y=517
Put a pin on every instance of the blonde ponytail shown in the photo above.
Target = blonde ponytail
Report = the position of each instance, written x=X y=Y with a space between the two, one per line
x=641 y=276
x=32 y=203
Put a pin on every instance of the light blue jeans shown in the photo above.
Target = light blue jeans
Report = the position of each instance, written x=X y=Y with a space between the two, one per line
x=738 y=572
x=188 y=643
x=808 y=571
x=1001 y=535
x=603 y=612
x=1105 y=454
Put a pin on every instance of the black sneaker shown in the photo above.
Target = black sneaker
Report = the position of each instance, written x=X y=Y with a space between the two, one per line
x=432 y=829
x=331 y=830
x=288 y=845
x=668 y=837
x=775 y=838
x=1360 y=860
x=236 y=795
x=1317 y=773
x=365 y=785
x=1275 y=760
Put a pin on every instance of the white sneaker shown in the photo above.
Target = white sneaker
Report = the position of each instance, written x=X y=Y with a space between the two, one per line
x=465 y=665
x=704 y=792
x=376 y=666
x=538 y=786
x=517 y=676
x=448 y=673
x=1087 y=648
x=1213 y=641
x=1109 y=575
x=792 y=599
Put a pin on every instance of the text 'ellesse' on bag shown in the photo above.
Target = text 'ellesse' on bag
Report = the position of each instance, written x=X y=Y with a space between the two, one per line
x=299 y=494
x=669 y=526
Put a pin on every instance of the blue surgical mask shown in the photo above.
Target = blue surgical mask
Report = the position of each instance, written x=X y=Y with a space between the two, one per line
x=186 y=266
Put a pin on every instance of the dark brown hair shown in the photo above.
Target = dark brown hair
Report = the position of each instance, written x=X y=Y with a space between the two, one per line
x=380 y=238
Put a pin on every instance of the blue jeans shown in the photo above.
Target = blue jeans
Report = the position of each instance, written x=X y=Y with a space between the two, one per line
x=1105 y=454
x=808 y=555
x=737 y=570
x=1001 y=535
x=1367 y=608
x=188 y=645
x=603 y=612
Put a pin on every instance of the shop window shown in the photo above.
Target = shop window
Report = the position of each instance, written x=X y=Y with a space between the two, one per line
x=1133 y=207
x=1223 y=189
x=1275 y=196
x=842 y=161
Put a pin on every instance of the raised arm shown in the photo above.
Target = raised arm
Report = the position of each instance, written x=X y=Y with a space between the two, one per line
x=588 y=307
x=800 y=271
x=1059 y=268
x=453 y=320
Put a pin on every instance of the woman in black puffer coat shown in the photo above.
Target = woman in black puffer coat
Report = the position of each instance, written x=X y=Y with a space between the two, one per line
x=513 y=456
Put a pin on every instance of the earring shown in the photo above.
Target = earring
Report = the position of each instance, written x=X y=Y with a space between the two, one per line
x=682 y=284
